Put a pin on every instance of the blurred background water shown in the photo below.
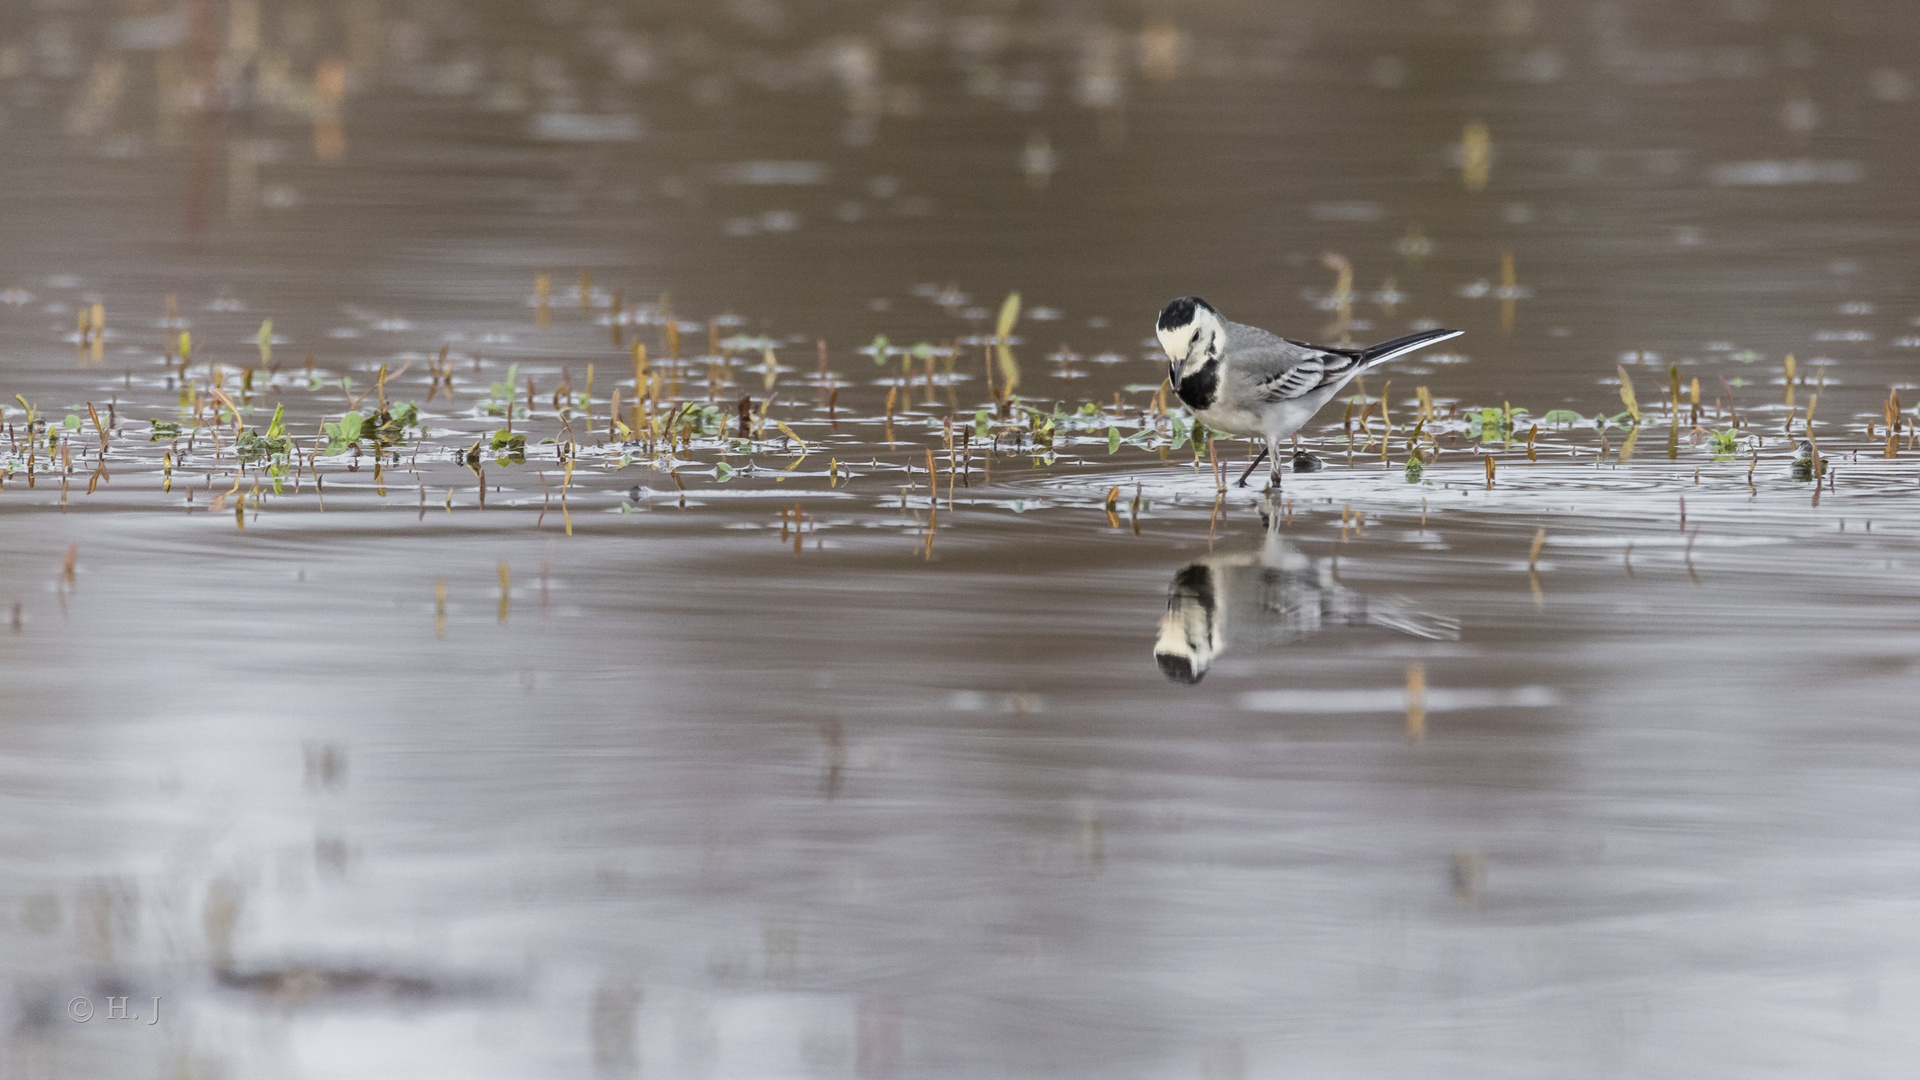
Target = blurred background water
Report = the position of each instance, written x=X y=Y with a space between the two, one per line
x=676 y=775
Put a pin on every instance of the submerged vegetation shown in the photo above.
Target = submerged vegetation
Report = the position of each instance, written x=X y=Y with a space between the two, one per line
x=937 y=417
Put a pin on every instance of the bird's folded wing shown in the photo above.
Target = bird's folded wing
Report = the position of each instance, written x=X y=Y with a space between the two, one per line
x=1284 y=375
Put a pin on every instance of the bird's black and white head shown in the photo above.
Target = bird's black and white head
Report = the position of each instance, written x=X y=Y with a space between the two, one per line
x=1192 y=333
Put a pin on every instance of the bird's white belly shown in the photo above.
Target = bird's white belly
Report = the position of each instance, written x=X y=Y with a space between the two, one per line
x=1232 y=421
x=1277 y=421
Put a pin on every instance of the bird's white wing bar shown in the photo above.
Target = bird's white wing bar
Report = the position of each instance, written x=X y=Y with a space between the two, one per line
x=1310 y=375
x=1300 y=379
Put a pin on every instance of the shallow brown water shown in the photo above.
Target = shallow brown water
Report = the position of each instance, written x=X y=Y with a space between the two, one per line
x=639 y=779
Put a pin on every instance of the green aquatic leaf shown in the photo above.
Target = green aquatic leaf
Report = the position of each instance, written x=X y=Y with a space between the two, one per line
x=509 y=447
x=1113 y=439
x=164 y=431
x=1561 y=417
x=1414 y=470
x=253 y=446
x=72 y=422
x=344 y=433
x=982 y=424
x=879 y=348
x=722 y=472
x=503 y=391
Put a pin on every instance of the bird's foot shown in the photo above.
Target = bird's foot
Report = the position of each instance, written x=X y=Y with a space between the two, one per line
x=1305 y=462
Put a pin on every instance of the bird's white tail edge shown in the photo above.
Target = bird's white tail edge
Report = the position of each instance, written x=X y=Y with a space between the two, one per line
x=1398 y=347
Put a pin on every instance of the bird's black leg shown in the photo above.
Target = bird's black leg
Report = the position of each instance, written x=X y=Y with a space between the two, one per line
x=1256 y=464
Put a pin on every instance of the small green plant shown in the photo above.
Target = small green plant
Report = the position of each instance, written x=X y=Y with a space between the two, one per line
x=689 y=419
x=164 y=431
x=344 y=433
x=389 y=428
x=500 y=397
x=253 y=446
x=1724 y=444
x=1561 y=418
x=509 y=447
x=1493 y=425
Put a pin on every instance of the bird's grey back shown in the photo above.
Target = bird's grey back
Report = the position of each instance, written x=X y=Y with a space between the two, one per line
x=1241 y=336
x=1254 y=356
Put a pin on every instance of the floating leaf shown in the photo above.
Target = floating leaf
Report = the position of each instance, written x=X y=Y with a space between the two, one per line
x=344 y=433
x=509 y=447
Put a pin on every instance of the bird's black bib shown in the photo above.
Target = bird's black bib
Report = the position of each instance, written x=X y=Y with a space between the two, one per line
x=1199 y=389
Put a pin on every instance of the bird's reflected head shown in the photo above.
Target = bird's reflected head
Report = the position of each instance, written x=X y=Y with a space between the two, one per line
x=1189 y=635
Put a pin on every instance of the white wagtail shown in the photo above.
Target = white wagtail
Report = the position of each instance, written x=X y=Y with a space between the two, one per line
x=1243 y=380
x=1266 y=597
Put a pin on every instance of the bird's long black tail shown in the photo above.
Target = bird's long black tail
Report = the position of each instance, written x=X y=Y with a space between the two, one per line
x=1401 y=346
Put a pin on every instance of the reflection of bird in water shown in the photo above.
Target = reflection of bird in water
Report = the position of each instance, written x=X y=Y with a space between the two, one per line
x=1266 y=597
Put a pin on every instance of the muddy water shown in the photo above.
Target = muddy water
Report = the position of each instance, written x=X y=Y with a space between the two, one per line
x=821 y=766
